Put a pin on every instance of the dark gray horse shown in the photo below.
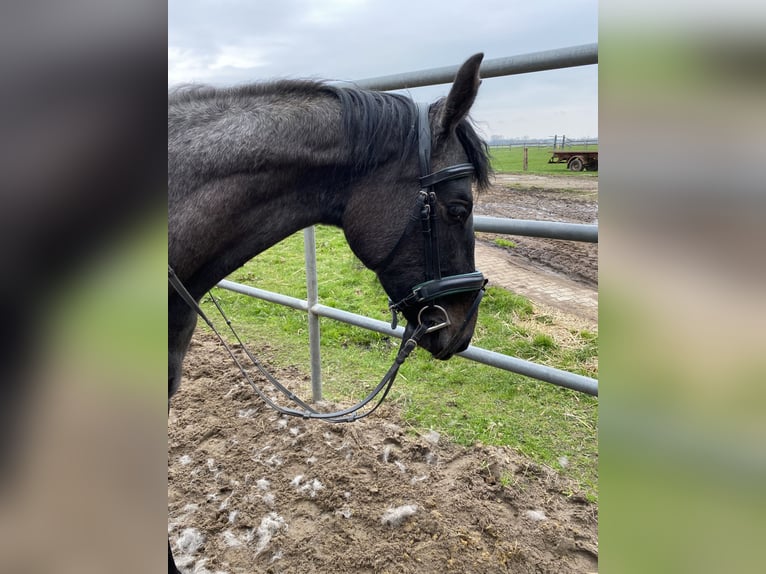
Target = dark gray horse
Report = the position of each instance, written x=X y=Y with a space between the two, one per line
x=249 y=166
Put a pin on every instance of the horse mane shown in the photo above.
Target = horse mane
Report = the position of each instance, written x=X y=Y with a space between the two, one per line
x=374 y=123
x=477 y=151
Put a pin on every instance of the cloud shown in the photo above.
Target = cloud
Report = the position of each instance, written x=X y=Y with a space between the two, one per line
x=235 y=42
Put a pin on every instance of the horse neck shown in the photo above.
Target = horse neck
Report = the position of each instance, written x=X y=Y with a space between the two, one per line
x=244 y=178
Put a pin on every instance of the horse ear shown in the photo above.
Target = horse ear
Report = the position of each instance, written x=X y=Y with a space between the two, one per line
x=461 y=95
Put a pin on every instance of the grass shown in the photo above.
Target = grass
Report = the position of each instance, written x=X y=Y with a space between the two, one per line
x=467 y=401
x=500 y=242
x=510 y=160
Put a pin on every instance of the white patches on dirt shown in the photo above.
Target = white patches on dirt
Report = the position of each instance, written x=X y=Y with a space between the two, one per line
x=267 y=497
x=270 y=525
x=394 y=517
x=269 y=500
x=190 y=541
x=187 y=511
x=211 y=466
x=345 y=508
x=432 y=437
x=275 y=460
x=225 y=502
x=310 y=488
x=231 y=539
x=536 y=515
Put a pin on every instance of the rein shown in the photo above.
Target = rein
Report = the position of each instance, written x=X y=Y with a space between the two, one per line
x=434 y=287
x=305 y=410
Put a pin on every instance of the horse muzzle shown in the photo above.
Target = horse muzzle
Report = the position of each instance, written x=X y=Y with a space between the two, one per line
x=442 y=337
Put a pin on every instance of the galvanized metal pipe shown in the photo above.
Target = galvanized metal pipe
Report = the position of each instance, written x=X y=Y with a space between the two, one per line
x=505 y=362
x=269 y=296
x=557 y=377
x=534 y=228
x=515 y=365
x=312 y=296
x=583 y=55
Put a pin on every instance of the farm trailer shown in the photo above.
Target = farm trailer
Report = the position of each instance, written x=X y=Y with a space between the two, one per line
x=576 y=160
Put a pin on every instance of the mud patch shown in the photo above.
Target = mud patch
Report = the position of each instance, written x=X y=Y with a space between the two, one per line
x=567 y=199
x=251 y=491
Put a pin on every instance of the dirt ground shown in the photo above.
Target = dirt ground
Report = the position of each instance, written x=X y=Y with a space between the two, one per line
x=548 y=198
x=251 y=491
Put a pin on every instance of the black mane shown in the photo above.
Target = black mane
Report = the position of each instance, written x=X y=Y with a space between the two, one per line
x=375 y=124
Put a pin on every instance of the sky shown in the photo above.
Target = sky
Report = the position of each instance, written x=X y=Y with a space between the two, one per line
x=234 y=42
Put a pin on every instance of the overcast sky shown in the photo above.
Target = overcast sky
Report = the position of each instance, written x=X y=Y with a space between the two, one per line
x=229 y=42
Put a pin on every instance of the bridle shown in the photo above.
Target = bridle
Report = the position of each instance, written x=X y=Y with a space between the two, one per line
x=435 y=286
x=423 y=294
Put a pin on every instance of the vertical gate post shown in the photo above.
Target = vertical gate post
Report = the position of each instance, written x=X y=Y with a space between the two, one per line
x=312 y=298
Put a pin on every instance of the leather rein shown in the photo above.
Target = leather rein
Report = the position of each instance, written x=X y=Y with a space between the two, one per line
x=433 y=287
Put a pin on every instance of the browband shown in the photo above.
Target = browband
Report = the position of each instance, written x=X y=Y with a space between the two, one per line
x=451 y=172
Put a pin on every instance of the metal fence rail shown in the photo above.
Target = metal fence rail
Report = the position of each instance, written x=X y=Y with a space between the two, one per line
x=492 y=358
x=533 y=228
x=525 y=63
x=570 y=57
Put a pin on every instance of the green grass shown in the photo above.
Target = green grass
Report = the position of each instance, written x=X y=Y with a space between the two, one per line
x=500 y=242
x=465 y=400
x=510 y=160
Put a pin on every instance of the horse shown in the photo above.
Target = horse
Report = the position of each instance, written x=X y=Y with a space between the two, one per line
x=250 y=165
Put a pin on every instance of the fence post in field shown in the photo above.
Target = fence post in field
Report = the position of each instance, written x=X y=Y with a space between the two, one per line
x=525 y=159
x=555 y=140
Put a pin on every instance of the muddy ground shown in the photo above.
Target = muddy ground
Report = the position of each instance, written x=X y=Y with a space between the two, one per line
x=251 y=491
x=571 y=199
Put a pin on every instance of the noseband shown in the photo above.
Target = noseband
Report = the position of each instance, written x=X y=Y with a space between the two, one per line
x=435 y=286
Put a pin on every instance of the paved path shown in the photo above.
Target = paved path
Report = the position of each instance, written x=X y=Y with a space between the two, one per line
x=538 y=285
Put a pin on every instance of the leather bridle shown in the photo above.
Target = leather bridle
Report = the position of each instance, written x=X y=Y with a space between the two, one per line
x=422 y=295
x=435 y=286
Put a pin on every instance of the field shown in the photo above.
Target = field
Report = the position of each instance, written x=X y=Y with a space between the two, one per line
x=507 y=159
x=465 y=467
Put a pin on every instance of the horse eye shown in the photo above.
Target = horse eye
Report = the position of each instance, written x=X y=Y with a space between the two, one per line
x=458 y=211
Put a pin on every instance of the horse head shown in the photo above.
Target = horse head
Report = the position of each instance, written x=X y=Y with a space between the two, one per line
x=425 y=259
